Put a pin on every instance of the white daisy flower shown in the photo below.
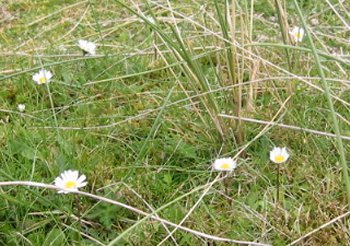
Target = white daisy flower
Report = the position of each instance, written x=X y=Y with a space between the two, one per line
x=42 y=77
x=279 y=155
x=297 y=34
x=21 y=107
x=224 y=164
x=70 y=180
x=87 y=47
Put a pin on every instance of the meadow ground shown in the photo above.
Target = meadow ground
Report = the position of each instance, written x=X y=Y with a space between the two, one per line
x=173 y=86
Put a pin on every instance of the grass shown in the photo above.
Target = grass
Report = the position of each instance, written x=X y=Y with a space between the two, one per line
x=145 y=118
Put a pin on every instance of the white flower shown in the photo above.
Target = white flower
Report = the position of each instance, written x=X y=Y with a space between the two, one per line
x=21 y=107
x=279 y=155
x=70 y=180
x=88 y=47
x=297 y=34
x=42 y=77
x=224 y=164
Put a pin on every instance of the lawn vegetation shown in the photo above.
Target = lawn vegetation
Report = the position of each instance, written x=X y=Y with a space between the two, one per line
x=173 y=86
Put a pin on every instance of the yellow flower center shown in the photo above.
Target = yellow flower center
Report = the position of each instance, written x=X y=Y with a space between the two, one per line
x=279 y=159
x=42 y=80
x=298 y=35
x=225 y=166
x=70 y=185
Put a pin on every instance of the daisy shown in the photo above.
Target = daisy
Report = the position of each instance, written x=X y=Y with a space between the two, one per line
x=21 y=107
x=87 y=47
x=224 y=164
x=297 y=34
x=70 y=180
x=279 y=155
x=42 y=77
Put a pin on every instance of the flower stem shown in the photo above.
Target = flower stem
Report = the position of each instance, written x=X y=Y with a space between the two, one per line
x=278 y=184
x=53 y=110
